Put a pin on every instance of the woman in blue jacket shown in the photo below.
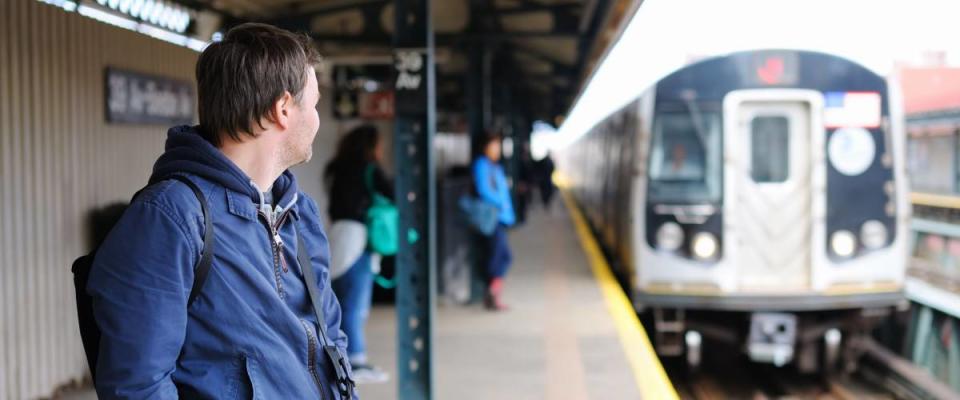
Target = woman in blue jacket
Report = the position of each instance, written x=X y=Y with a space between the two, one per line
x=491 y=185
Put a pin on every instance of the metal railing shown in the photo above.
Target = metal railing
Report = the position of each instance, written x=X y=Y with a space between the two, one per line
x=933 y=285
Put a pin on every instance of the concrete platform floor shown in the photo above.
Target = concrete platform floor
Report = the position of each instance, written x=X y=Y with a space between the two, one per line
x=558 y=340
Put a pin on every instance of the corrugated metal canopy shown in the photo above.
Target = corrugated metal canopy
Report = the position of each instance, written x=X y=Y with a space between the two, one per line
x=545 y=48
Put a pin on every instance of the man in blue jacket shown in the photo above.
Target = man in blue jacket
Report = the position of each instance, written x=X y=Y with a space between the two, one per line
x=252 y=331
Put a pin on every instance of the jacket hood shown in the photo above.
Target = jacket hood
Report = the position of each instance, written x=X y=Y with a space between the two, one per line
x=186 y=152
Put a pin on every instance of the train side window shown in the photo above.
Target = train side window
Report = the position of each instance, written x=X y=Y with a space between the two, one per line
x=770 y=149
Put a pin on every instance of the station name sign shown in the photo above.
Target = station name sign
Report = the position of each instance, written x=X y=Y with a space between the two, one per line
x=411 y=80
x=133 y=97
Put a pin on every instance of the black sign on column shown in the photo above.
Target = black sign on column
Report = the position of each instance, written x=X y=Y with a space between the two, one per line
x=416 y=198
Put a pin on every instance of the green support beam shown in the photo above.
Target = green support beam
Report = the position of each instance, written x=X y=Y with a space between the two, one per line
x=415 y=119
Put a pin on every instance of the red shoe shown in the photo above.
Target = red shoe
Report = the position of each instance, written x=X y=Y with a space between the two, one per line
x=493 y=302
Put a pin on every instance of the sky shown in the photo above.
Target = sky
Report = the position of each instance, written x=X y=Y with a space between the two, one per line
x=664 y=34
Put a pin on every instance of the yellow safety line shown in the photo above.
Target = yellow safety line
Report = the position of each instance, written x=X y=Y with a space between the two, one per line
x=651 y=379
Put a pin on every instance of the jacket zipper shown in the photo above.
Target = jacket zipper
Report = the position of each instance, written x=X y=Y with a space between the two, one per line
x=276 y=244
x=312 y=357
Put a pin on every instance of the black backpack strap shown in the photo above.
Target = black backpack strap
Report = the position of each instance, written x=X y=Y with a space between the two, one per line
x=206 y=257
x=345 y=383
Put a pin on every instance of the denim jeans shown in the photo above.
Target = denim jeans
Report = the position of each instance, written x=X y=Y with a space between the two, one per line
x=354 y=290
x=500 y=256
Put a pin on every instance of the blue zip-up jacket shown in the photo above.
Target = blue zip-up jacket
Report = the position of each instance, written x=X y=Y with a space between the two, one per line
x=491 y=184
x=251 y=333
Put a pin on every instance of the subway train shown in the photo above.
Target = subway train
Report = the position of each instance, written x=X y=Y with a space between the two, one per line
x=757 y=199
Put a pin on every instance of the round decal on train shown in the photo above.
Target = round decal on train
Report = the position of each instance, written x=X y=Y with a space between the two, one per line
x=851 y=150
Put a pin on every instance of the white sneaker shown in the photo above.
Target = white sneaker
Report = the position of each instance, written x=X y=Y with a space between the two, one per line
x=366 y=373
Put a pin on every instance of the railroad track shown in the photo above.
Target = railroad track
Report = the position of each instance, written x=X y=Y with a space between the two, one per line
x=897 y=375
x=783 y=387
x=881 y=375
x=708 y=388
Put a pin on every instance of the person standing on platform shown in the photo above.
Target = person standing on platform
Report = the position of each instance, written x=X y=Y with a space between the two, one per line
x=353 y=177
x=490 y=183
x=525 y=183
x=264 y=322
x=545 y=179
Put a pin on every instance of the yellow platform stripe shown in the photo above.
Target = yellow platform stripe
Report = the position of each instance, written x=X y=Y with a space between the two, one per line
x=648 y=373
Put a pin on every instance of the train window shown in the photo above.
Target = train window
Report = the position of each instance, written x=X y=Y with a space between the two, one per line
x=685 y=158
x=770 y=149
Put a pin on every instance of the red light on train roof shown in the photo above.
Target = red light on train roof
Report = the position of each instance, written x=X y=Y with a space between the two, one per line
x=771 y=71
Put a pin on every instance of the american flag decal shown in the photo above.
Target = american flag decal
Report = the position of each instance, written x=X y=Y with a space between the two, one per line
x=851 y=110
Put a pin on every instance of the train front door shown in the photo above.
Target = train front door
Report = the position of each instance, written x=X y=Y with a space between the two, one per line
x=768 y=196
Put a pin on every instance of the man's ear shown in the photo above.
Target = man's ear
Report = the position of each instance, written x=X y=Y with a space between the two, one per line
x=280 y=112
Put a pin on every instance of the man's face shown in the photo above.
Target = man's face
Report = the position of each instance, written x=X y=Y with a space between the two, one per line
x=305 y=121
x=679 y=154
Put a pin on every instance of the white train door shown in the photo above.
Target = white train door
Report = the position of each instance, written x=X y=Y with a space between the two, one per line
x=768 y=189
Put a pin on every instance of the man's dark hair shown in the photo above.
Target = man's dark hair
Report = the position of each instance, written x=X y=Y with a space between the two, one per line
x=241 y=77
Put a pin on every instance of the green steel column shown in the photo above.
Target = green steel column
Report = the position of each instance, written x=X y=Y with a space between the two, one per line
x=911 y=335
x=416 y=197
x=921 y=337
x=953 y=356
x=956 y=161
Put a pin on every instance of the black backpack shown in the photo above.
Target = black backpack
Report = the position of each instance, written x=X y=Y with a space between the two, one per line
x=89 y=331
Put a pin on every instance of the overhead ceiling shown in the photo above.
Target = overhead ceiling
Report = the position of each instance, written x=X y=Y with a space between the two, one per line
x=542 y=50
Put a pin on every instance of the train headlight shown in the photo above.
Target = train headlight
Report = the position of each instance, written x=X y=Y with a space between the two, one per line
x=843 y=243
x=669 y=236
x=704 y=245
x=873 y=234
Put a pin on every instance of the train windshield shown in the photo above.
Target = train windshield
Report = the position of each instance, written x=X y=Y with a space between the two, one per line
x=685 y=158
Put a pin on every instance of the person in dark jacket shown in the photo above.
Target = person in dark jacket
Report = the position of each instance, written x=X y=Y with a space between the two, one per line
x=490 y=183
x=352 y=177
x=545 y=170
x=252 y=332
x=524 y=184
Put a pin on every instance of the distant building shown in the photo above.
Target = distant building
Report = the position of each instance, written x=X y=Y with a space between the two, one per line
x=931 y=98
